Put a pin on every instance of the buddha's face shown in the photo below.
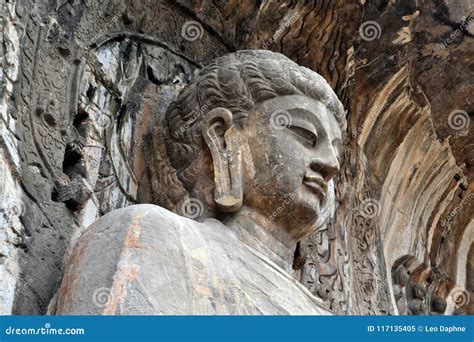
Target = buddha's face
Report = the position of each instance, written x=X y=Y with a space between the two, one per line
x=292 y=149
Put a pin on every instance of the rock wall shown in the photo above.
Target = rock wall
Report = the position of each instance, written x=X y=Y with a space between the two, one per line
x=83 y=80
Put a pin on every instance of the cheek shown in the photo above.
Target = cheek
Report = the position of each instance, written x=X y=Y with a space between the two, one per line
x=279 y=163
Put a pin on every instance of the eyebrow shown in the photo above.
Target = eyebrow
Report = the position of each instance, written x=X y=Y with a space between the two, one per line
x=312 y=117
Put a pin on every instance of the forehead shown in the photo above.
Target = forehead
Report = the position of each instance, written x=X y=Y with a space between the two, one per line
x=305 y=108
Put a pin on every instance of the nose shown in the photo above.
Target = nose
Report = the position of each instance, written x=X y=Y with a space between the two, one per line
x=325 y=163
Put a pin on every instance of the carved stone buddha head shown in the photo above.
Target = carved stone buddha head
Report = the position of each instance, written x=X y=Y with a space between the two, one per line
x=256 y=132
x=252 y=144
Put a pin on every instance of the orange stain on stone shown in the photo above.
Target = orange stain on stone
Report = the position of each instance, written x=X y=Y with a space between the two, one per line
x=69 y=282
x=127 y=271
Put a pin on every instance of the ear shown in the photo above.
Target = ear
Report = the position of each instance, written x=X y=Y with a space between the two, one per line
x=223 y=139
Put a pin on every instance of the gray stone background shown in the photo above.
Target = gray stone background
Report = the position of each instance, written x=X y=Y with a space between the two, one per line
x=82 y=80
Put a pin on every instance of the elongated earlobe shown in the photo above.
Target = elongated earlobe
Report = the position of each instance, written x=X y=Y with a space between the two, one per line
x=223 y=140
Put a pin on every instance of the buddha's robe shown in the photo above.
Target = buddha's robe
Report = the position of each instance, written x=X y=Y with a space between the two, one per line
x=144 y=259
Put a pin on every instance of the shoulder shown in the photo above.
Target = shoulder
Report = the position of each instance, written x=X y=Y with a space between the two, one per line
x=120 y=227
x=141 y=244
x=135 y=215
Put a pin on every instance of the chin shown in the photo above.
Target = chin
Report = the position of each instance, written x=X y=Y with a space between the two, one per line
x=304 y=230
x=304 y=215
x=308 y=212
x=311 y=205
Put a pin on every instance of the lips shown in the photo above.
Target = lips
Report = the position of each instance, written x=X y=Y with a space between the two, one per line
x=316 y=184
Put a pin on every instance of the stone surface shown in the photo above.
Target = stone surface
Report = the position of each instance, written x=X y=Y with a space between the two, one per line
x=270 y=133
x=146 y=260
x=71 y=82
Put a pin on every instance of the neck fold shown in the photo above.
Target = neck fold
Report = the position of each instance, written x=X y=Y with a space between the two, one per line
x=265 y=236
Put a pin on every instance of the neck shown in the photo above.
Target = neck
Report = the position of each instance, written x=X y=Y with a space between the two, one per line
x=265 y=236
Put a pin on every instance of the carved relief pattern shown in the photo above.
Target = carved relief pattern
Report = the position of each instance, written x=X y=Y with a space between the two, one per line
x=70 y=111
x=55 y=94
x=72 y=163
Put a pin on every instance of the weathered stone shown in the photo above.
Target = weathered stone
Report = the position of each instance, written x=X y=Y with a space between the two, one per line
x=112 y=68
x=288 y=116
x=143 y=259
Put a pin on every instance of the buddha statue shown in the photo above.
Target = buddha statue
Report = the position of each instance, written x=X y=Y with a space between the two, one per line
x=254 y=139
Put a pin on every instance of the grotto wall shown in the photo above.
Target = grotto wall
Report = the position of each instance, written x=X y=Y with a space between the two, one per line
x=82 y=81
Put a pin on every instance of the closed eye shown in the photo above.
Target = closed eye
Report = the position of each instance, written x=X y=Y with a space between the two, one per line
x=307 y=138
